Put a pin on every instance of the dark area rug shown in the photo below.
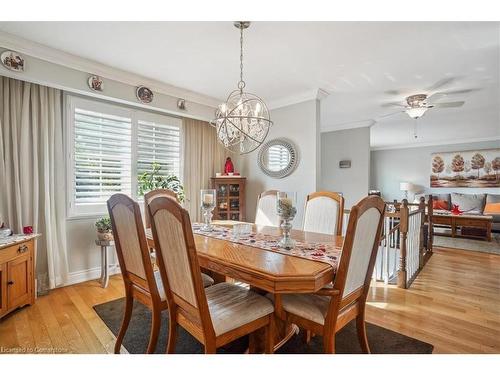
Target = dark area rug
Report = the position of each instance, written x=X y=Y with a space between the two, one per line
x=382 y=341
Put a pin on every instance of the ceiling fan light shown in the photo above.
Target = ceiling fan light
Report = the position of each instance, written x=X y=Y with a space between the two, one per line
x=416 y=112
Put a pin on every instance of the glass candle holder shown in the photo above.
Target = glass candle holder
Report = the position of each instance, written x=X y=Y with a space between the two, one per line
x=208 y=199
x=286 y=209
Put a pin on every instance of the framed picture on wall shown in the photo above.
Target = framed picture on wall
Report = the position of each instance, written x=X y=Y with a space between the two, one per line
x=469 y=169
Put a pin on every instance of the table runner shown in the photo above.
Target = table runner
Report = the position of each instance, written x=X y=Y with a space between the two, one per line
x=322 y=252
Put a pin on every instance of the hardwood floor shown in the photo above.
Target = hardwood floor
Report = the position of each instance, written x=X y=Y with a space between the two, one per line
x=453 y=304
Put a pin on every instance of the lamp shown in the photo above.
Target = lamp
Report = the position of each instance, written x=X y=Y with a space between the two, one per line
x=405 y=186
x=243 y=120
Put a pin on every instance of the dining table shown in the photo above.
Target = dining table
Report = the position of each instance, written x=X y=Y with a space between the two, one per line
x=265 y=268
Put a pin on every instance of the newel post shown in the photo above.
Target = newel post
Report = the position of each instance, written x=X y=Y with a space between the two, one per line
x=403 y=227
x=421 y=248
x=430 y=224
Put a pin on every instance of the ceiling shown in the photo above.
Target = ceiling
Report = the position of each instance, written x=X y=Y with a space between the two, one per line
x=360 y=64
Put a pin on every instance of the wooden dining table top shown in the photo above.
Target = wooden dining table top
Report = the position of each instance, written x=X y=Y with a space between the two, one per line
x=265 y=269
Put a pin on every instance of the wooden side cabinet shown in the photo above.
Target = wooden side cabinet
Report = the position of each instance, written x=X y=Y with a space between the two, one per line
x=230 y=198
x=17 y=275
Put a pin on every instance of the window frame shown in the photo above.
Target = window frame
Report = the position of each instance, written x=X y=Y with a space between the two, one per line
x=71 y=103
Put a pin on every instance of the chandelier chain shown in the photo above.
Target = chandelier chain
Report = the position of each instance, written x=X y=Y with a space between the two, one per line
x=241 y=83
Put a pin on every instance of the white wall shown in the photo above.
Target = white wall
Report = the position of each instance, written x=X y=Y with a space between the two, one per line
x=300 y=124
x=390 y=167
x=353 y=145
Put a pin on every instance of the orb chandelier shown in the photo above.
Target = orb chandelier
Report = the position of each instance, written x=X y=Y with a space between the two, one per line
x=243 y=120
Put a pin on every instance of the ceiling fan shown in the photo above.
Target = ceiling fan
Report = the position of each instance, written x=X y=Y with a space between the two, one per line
x=416 y=105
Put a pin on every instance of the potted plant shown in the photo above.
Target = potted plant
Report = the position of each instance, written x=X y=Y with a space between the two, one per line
x=104 y=229
x=155 y=179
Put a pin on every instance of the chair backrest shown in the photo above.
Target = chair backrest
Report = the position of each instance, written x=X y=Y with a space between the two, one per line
x=360 y=246
x=150 y=195
x=177 y=258
x=130 y=242
x=266 y=209
x=324 y=213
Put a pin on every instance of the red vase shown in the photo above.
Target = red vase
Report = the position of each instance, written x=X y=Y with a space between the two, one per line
x=228 y=166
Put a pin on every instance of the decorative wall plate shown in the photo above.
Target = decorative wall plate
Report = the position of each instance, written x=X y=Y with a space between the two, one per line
x=96 y=83
x=144 y=94
x=13 y=61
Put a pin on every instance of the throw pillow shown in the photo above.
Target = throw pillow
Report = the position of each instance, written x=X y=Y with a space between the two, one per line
x=439 y=204
x=492 y=208
x=468 y=203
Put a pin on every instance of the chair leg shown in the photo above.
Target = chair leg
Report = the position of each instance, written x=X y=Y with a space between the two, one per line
x=329 y=343
x=172 y=331
x=210 y=348
x=361 y=328
x=270 y=336
x=155 y=329
x=306 y=336
x=129 y=303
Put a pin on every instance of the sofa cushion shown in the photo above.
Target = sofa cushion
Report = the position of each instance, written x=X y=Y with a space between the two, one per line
x=469 y=203
x=492 y=198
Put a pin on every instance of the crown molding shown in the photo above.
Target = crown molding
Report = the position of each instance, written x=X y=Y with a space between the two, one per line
x=348 y=125
x=300 y=97
x=69 y=60
x=437 y=143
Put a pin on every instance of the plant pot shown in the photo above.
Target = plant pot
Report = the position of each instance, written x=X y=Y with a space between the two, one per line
x=105 y=236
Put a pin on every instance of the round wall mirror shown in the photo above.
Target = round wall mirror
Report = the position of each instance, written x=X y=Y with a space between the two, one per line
x=278 y=158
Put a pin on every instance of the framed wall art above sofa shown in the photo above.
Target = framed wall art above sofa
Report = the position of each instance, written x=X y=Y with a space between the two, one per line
x=469 y=169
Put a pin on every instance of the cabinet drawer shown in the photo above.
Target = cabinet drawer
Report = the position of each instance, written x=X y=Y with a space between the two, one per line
x=16 y=250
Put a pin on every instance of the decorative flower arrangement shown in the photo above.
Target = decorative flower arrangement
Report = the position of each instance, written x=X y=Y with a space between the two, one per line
x=104 y=229
x=286 y=210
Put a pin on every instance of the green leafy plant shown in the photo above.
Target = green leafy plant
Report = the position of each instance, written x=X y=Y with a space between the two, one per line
x=154 y=179
x=103 y=224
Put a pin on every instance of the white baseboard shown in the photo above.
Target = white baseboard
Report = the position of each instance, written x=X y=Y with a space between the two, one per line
x=89 y=274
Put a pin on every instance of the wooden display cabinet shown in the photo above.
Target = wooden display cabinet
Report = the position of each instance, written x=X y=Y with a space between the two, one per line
x=230 y=193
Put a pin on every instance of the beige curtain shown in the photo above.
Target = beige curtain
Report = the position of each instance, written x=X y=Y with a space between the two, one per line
x=32 y=184
x=203 y=157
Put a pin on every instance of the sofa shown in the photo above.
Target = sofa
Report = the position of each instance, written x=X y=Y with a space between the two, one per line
x=474 y=204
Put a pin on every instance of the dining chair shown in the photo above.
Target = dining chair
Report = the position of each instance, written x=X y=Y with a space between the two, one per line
x=216 y=315
x=324 y=213
x=266 y=209
x=148 y=197
x=331 y=308
x=141 y=281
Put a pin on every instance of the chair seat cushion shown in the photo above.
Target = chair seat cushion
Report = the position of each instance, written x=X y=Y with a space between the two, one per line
x=232 y=306
x=207 y=281
x=308 y=306
x=159 y=285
